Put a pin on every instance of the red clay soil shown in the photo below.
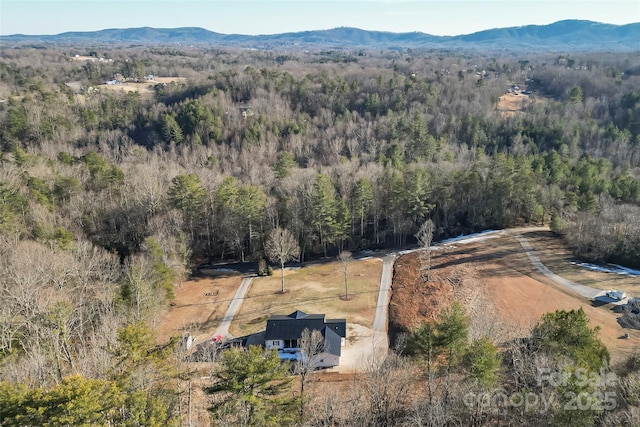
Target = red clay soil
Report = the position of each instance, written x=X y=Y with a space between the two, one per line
x=501 y=291
x=413 y=300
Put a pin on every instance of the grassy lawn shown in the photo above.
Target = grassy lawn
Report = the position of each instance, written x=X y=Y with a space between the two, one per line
x=198 y=306
x=312 y=289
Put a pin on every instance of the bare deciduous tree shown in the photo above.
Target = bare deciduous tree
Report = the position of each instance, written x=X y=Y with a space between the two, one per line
x=386 y=389
x=425 y=237
x=311 y=345
x=345 y=257
x=281 y=247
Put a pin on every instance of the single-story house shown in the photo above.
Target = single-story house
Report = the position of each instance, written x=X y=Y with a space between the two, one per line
x=284 y=332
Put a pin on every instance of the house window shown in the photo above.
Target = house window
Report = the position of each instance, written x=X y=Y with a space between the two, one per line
x=290 y=343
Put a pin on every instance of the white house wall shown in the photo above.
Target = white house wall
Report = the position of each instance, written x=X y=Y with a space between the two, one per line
x=271 y=344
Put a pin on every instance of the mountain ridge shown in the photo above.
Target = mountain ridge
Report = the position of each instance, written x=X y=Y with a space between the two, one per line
x=575 y=35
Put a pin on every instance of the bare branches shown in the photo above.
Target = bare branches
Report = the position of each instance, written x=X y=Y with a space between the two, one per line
x=281 y=247
x=345 y=258
x=312 y=344
x=425 y=237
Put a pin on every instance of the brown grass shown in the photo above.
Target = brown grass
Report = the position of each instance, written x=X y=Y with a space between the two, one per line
x=514 y=294
x=558 y=259
x=313 y=289
x=198 y=306
x=143 y=87
x=511 y=104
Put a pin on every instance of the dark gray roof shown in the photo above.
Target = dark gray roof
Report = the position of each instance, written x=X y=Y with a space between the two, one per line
x=332 y=342
x=298 y=314
x=290 y=327
x=339 y=326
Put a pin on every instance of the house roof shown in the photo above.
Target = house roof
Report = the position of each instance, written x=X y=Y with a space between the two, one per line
x=298 y=314
x=332 y=341
x=339 y=326
x=290 y=327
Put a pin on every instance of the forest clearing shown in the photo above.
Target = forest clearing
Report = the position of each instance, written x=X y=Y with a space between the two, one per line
x=511 y=104
x=142 y=86
x=493 y=279
x=503 y=292
x=312 y=289
x=498 y=287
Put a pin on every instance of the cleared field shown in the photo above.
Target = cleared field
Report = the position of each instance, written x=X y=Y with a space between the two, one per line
x=504 y=294
x=312 y=289
x=494 y=278
x=559 y=259
x=197 y=308
x=516 y=101
x=143 y=86
x=510 y=104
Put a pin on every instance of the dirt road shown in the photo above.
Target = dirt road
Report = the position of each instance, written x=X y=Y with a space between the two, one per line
x=380 y=318
x=507 y=280
x=223 y=328
x=366 y=347
x=585 y=291
x=582 y=290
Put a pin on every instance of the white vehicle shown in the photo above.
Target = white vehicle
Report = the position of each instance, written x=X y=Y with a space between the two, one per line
x=617 y=295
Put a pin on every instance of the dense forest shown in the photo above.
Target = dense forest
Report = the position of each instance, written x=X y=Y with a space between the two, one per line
x=343 y=150
x=110 y=197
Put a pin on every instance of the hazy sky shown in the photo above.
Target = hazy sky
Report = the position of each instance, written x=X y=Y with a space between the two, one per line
x=438 y=17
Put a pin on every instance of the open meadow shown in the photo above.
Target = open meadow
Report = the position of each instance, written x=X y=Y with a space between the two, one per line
x=316 y=288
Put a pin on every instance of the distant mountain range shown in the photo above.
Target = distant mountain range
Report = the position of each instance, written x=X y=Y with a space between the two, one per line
x=570 y=35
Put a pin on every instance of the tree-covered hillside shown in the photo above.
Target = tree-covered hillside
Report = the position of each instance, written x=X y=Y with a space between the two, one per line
x=562 y=36
x=110 y=196
x=344 y=150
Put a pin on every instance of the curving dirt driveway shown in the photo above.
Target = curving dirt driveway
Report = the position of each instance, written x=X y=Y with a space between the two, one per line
x=582 y=290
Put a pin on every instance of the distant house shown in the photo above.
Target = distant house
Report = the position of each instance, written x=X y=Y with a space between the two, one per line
x=284 y=332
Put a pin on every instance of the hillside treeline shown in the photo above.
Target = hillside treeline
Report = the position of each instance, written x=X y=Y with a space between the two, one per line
x=343 y=150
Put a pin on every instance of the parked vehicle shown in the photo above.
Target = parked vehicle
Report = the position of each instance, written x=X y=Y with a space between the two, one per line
x=617 y=295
